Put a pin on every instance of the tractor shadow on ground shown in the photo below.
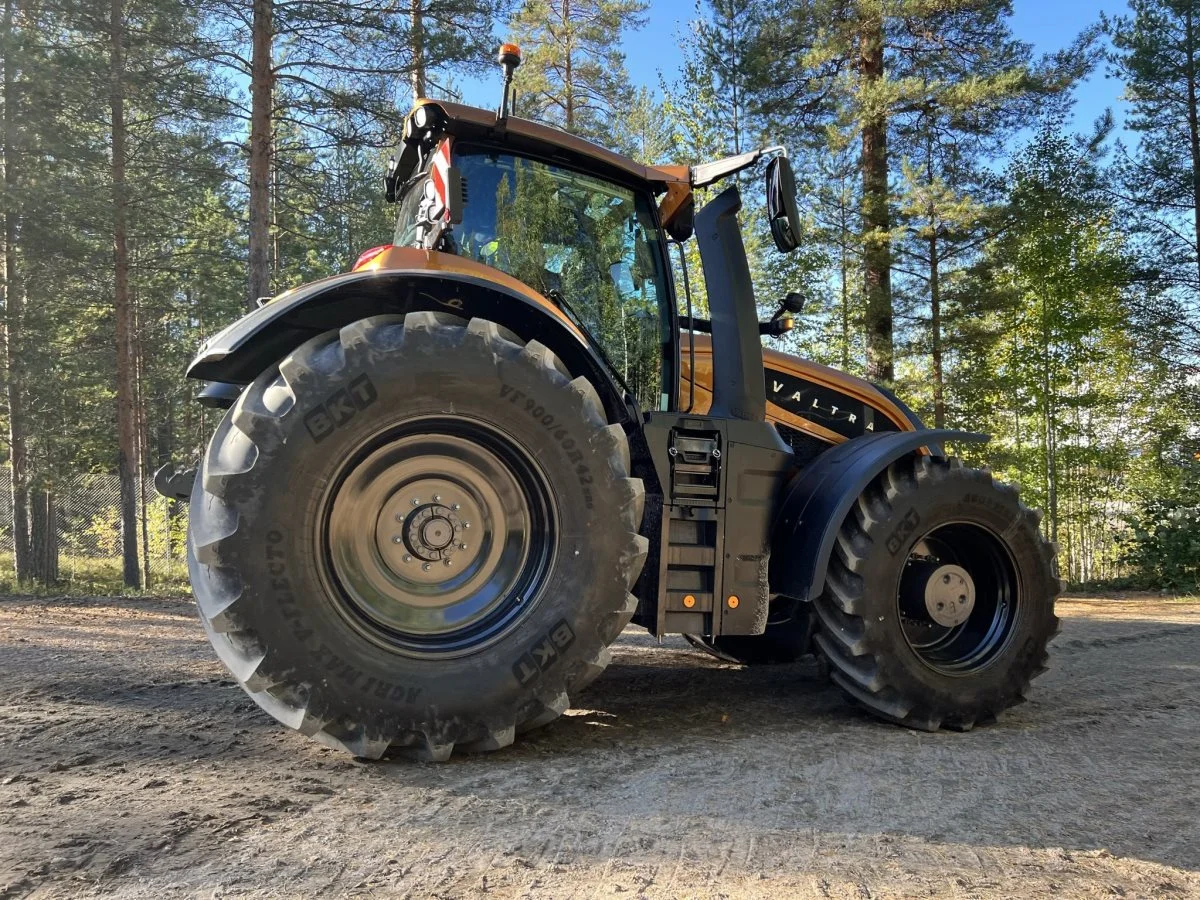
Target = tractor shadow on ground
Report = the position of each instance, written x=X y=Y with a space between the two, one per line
x=1072 y=768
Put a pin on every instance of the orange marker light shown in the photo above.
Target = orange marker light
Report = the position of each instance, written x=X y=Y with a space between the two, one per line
x=689 y=601
x=510 y=53
x=733 y=602
x=368 y=255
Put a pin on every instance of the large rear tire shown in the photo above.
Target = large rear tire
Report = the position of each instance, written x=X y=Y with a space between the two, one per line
x=939 y=600
x=419 y=533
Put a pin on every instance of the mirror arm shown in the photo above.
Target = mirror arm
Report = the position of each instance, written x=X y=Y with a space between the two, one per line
x=707 y=174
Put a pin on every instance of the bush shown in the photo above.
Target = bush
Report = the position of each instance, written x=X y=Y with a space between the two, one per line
x=1164 y=549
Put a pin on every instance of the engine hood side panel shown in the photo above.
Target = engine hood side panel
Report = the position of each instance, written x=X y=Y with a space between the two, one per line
x=803 y=395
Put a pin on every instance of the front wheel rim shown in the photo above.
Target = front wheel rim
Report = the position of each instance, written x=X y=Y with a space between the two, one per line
x=437 y=537
x=959 y=598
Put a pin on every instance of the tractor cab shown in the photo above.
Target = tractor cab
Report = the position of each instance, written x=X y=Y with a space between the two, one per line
x=580 y=225
x=591 y=245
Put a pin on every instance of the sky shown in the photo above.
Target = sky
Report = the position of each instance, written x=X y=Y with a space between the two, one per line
x=1048 y=25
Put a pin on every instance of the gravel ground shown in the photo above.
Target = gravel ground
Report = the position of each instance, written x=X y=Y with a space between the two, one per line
x=131 y=766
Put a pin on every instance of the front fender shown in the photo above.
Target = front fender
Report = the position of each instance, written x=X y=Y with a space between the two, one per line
x=819 y=498
x=239 y=353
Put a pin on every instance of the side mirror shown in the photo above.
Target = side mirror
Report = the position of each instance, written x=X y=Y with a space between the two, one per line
x=781 y=205
x=682 y=224
x=793 y=303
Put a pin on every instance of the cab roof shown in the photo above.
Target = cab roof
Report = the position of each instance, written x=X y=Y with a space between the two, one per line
x=524 y=136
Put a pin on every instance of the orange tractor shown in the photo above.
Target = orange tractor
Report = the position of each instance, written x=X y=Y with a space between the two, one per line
x=449 y=479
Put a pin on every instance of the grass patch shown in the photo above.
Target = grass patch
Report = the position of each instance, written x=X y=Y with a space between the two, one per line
x=87 y=576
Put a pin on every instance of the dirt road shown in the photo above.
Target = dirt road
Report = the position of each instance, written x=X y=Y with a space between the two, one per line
x=130 y=766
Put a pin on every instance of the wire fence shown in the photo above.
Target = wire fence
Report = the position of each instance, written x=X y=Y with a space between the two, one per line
x=75 y=534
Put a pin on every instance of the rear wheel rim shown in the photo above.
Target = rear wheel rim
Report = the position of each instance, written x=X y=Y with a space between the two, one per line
x=437 y=537
x=959 y=598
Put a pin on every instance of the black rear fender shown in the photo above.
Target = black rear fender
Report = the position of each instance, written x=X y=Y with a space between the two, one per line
x=237 y=355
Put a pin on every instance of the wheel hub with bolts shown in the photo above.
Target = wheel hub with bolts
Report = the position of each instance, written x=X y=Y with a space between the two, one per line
x=949 y=595
x=422 y=530
x=434 y=537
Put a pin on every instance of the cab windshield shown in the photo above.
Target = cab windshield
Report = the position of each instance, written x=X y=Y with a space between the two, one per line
x=589 y=245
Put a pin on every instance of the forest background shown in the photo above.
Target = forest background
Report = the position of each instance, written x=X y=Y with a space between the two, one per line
x=1002 y=262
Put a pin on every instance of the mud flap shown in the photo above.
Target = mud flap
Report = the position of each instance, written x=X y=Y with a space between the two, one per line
x=174 y=485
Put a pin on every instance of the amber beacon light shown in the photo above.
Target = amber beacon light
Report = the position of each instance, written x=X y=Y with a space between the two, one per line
x=509 y=58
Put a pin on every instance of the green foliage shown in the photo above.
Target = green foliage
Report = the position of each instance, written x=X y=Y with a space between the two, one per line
x=574 y=73
x=1164 y=547
x=1156 y=53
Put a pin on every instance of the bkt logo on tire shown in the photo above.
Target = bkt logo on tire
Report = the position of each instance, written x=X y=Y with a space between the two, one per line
x=340 y=408
x=906 y=527
x=544 y=654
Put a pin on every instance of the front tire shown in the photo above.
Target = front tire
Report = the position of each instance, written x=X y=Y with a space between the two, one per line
x=416 y=532
x=939 y=599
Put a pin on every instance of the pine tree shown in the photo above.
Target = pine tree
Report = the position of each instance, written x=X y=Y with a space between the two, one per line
x=1065 y=352
x=645 y=130
x=960 y=110
x=308 y=58
x=870 y=67
x=1156 y=52
x=11 y=51
x=128 y=461
x=574 y=73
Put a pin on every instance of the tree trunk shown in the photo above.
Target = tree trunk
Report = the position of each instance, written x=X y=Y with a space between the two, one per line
x=417 y=42
x=844 y=225
x=14 y=307
x=51 y=575
x=143 y=441
x=877 y=251
x=1193 y=131
x=568 y=74
x=127 y=442
x=164 y=434
x=935 y=332
x=262 y=94
x=37 y=535
x=1050 y=430
x=44 y=537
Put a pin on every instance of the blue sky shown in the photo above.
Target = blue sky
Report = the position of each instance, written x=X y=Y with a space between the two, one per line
x=1047 y=24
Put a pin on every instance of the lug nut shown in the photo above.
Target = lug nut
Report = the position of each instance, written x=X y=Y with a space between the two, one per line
x=462 y=546
x=426 y=567
x=446 y=562
x=466 y=524
x=437 y=498
x=455 y=507
x=407 y=558
x=416 y=501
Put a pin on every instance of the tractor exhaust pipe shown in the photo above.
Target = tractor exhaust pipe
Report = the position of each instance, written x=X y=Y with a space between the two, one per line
x=739 y=388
